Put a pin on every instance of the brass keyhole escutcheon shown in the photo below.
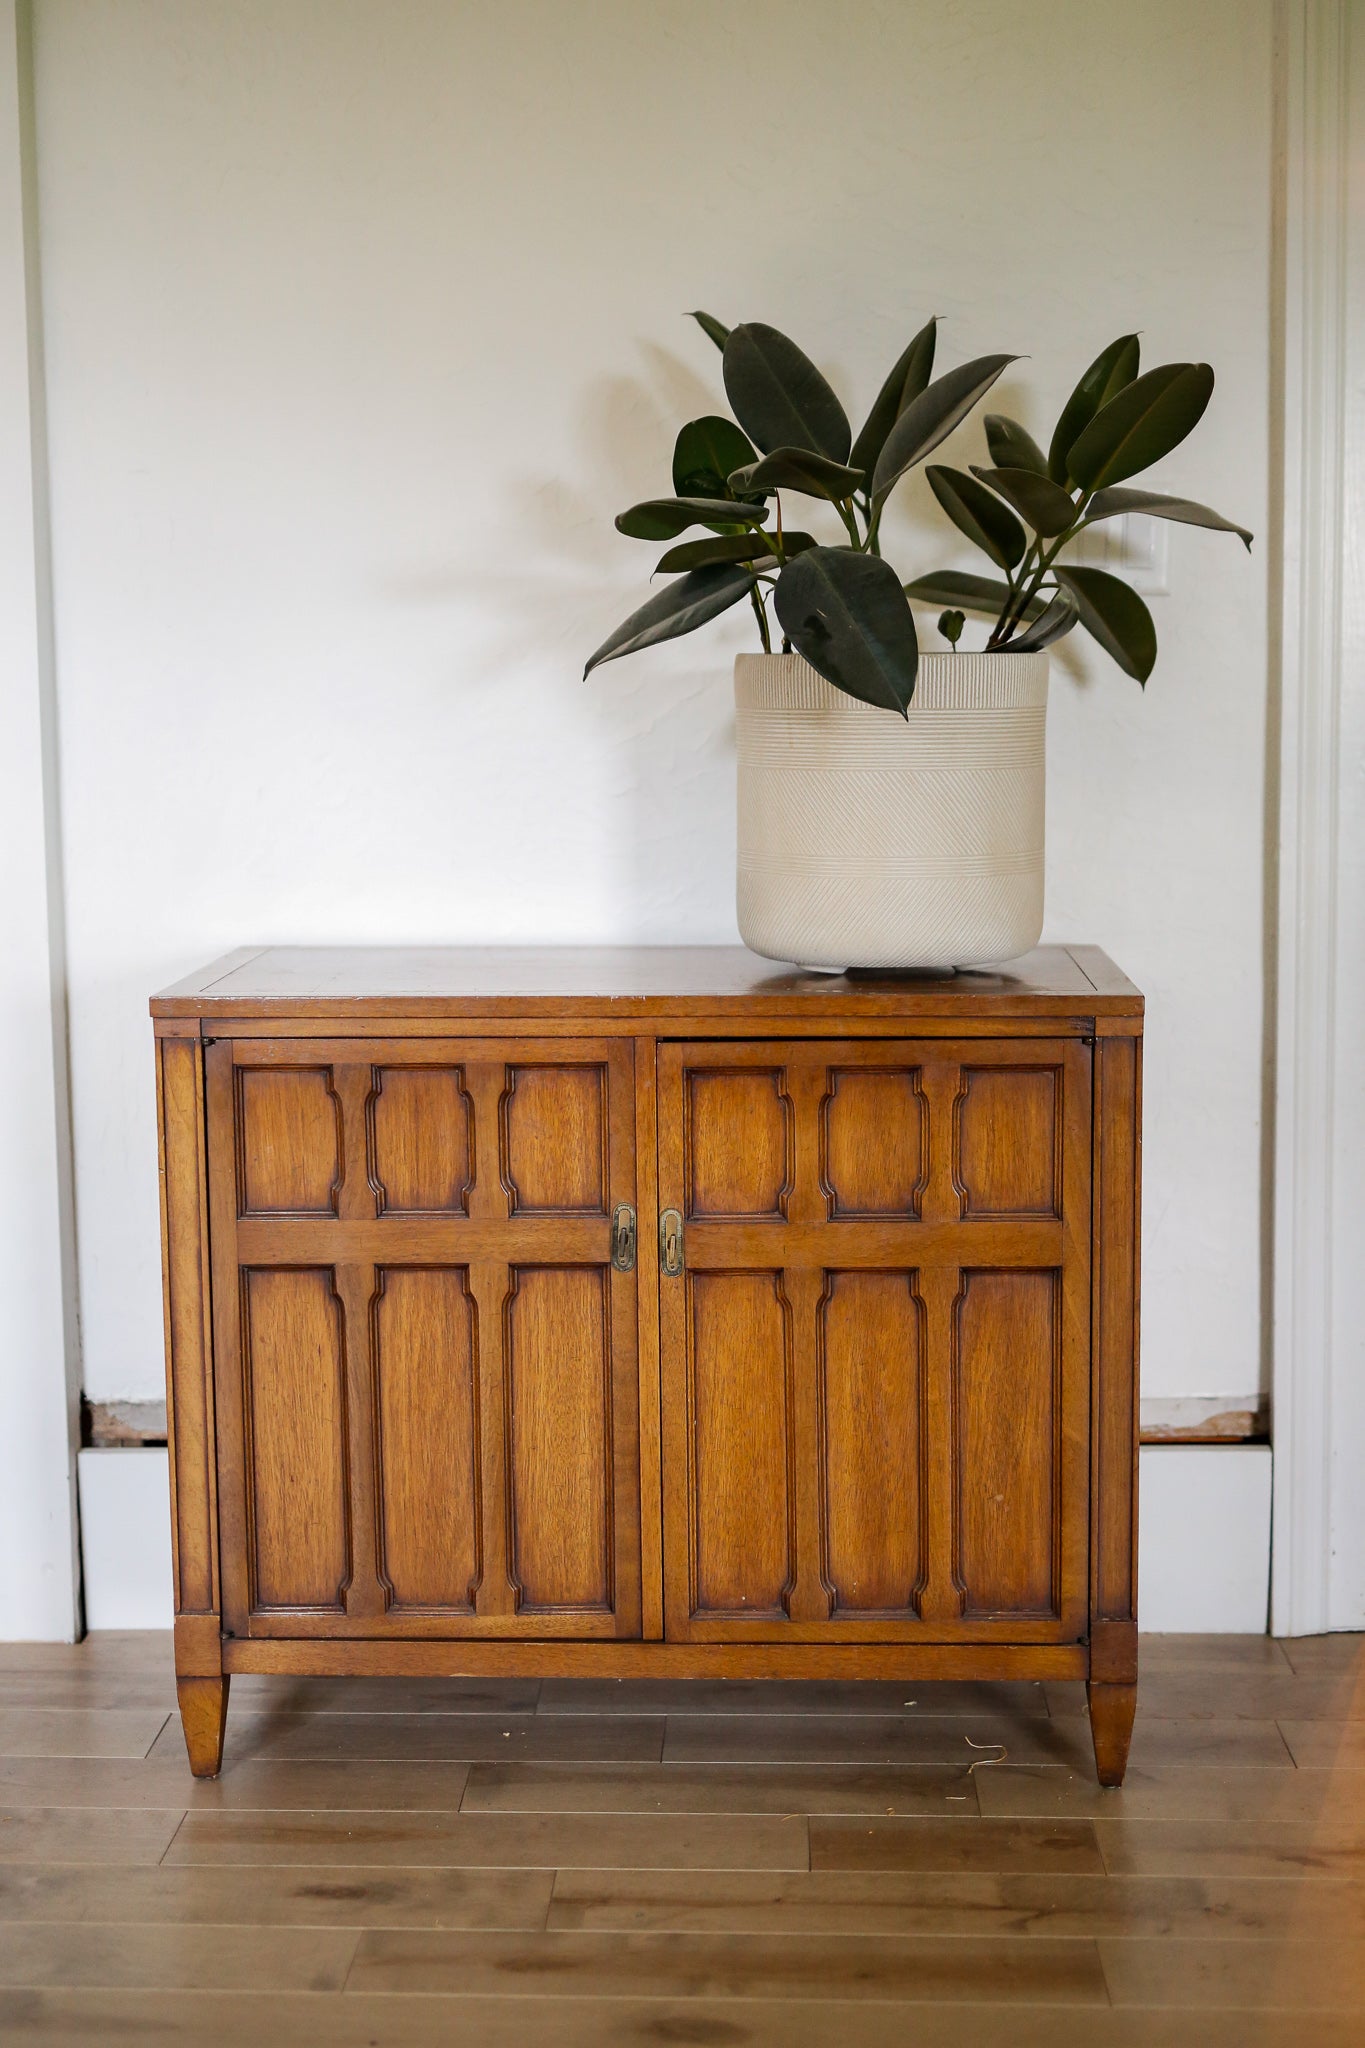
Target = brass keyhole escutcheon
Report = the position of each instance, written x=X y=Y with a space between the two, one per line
x=671 y=1242
x=623 y=1238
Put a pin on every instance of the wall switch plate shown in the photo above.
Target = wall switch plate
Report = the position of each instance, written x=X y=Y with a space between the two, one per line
x=1133 y=546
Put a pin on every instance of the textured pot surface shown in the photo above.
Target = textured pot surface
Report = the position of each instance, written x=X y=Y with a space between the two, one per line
x=869 y=840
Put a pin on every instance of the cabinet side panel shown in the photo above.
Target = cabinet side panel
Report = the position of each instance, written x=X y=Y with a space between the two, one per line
x=189 y=1385
x=1007 y=1401
x=740 y=1493
x=297 y=1481
x=559 y=1383
x=1117 y=1181
x=428 y=1437
x=871 y=1369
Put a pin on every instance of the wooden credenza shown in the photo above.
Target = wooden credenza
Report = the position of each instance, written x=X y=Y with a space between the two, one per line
x=651 y=1312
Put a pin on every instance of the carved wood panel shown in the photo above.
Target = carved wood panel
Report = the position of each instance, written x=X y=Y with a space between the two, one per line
x=874 y=1364
x=558 y=1323
x=739 y=1368
x=289 y=1159
x=293 y=1356
x=420 y=1140
x=426 y=1372
x=427 y=1436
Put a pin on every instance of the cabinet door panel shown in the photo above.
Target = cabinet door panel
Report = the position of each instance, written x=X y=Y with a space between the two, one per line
x=296 y=1407
x=875 y=1142
x=738 y=1370
x=428 y=1445
x=420 y=1140
x=288 y=1142
x=874 y=1366
x=555 y=1139
x=559 y=1375
x=426 y=1364
x=872 y=1370
x=737 y=1143
x=1008 y=1393
x=1009 y=1150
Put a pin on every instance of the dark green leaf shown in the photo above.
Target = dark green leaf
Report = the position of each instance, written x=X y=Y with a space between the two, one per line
x=1060 y=616
x=661 y=518
x=1013 y=446
x=979 y=514
x=1045 y=505
x=758 y=546
x=795 y=469
x=931 y=417
x=1112 y=368
x=950 y=624
x=779 y=397
x=678 y=608
x=1144 y=422
x=722 y=547
x=847 y=614
x=1115 y=616
x=710 y=325
x=705 y=452
x=909 y=377
x=973 y=593
x=1109 y=504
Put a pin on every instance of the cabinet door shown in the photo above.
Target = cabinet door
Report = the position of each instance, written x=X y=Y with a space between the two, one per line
x=875 y=1356
x=425 y=1358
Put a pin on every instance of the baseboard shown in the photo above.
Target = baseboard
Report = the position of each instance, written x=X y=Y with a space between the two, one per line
x=125 y=1538
x=1204 y=1539
x=1204 y=1563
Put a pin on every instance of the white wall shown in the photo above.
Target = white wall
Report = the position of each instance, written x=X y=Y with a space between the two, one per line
x=364 y=319
x=37 y=1348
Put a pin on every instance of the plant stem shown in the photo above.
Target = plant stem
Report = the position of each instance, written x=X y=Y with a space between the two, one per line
x=1013 y=614
x=761 y=614
x=845 y=509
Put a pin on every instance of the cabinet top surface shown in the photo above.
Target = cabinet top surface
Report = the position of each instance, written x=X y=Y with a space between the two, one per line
x=629 y=981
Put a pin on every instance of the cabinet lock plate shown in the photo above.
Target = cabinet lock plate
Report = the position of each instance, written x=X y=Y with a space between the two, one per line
x=623 y=1238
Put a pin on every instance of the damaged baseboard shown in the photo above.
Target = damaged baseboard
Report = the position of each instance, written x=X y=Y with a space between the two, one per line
x=1207 y=1419
x=122 y=1425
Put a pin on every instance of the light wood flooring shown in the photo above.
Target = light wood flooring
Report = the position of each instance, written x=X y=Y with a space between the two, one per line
x=596 y=1865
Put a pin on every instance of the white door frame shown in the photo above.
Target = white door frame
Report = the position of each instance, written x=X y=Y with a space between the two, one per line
x=1318 y=1569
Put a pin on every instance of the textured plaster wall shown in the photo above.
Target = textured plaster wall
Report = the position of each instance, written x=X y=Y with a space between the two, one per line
x=364 y=319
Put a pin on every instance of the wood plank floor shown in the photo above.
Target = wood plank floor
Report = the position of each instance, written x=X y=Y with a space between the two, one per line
x=603 y=1865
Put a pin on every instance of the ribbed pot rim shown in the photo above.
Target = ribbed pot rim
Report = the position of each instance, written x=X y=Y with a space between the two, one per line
x=978 y=680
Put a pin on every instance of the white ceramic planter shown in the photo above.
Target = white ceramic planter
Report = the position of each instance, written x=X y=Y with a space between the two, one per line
x=869 y=840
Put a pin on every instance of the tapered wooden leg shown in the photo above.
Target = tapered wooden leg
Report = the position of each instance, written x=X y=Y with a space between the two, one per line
x=1111 y=1728
x=203 y=1716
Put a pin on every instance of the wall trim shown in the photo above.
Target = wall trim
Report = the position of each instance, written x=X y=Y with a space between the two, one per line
x=1313 y=79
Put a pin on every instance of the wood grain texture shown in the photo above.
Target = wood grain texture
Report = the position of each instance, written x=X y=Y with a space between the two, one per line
x=189 y=1352
x=871 y=1415
x=580 y=1899
x=875 y=1405
x=736 y=1967
x=521 y=2019
x=203 y=1718
x=420 y=1141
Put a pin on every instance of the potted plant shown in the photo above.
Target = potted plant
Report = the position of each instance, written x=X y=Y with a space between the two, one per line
x=891 y=804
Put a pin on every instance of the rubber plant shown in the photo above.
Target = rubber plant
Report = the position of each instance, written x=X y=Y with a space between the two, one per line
x=1027 y=507
x=843 y=607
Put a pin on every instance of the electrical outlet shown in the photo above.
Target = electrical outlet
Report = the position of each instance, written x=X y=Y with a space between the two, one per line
x=1133 y=546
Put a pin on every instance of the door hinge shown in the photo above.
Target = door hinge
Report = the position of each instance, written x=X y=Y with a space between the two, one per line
x=671 y=1242
x=623 y=1238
